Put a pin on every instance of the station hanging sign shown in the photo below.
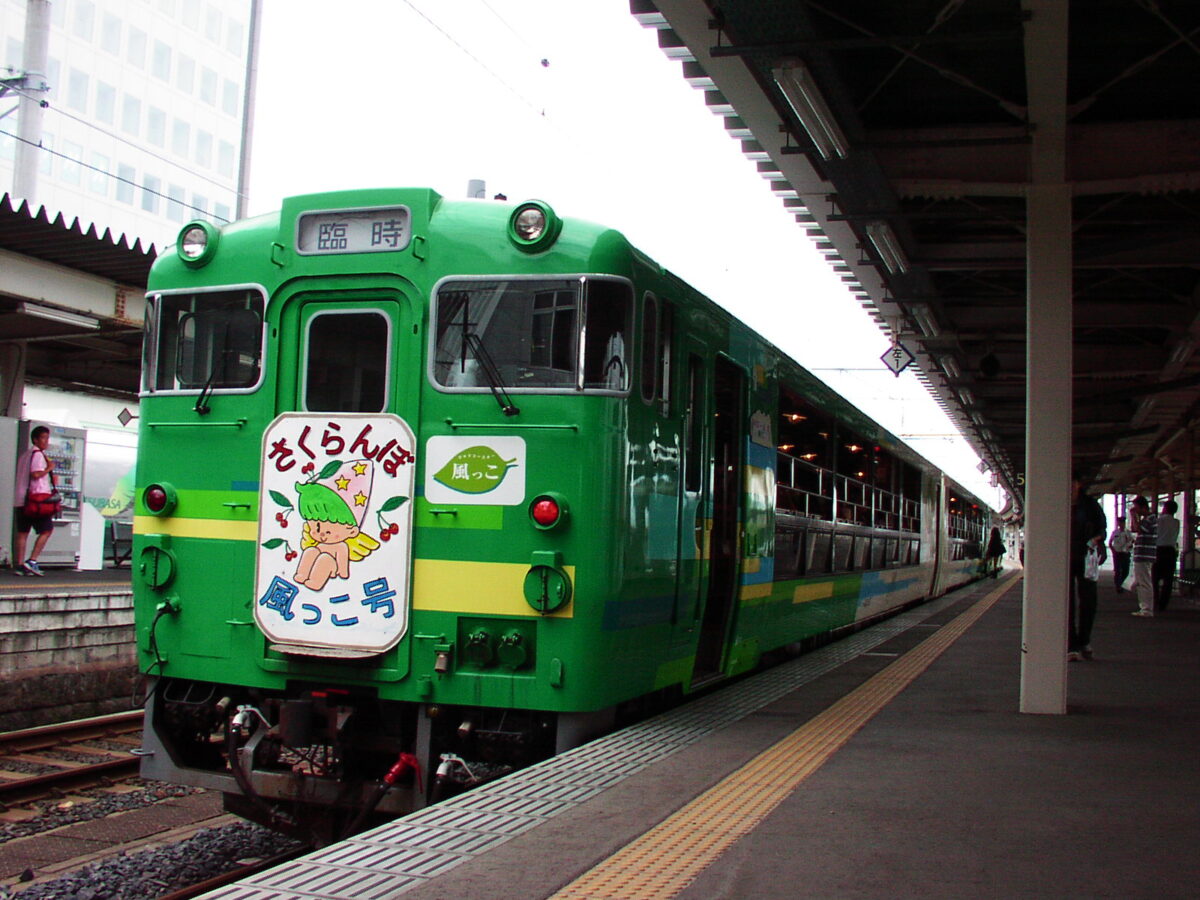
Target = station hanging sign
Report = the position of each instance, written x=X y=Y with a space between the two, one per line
x=898 y=358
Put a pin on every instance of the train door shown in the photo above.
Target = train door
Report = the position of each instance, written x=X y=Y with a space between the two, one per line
x=338 y=476
x=694 y=520
x=727 y=442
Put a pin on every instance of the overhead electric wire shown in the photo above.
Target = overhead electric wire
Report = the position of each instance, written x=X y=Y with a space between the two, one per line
x=475 y=59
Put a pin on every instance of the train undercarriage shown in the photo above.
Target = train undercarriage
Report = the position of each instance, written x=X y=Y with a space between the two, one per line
x=320 y=764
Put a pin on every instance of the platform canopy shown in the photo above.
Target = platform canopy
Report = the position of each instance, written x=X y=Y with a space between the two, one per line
x=900 y=135
x=71 y=302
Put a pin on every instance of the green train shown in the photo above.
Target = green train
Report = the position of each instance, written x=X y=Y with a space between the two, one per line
x=431 y=489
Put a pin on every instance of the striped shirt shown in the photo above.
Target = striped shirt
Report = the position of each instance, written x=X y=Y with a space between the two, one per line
x=1144 y=548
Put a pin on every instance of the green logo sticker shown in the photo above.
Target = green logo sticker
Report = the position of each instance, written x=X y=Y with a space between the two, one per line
x=475 y=470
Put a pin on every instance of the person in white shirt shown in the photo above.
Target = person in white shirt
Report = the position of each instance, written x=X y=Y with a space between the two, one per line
x=1121 y=545
x=1167 y=555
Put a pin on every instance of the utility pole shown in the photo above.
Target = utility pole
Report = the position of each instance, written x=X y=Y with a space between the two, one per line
x=31 y=106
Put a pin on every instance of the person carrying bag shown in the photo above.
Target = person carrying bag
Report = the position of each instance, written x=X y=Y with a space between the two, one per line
x=37 y=484
x=39 y=504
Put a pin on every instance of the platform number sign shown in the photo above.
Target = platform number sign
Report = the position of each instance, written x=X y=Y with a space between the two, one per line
x=898 y=358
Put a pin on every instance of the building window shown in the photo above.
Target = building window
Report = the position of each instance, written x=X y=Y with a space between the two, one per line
x=199 y=205
x=151 y=187
x=156 y=126
x=185 y=74
x=106 y=102
x=72 y=172
x=98 y=175
x=225 y=158
x=160 y=64
x=77 y=90
x=13 y=52
x=84 y=21
x=126 y=178
x=208 y=86
x=175 y=208
x=110 y=34
x=181 y=137
x=131 y=114
x=235 y=37
x=46 y=161
x=135 y=48
x=229 y=98
x=212 y=25
x=221 y=212
x=204 y=146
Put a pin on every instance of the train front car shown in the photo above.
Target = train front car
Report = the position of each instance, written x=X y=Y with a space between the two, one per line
x=377 y=530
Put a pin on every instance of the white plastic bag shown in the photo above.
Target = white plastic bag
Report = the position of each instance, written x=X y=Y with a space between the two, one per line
x=1091 y=565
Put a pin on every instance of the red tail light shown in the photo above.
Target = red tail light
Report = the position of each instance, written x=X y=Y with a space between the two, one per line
x=156 y=498
x=545 y=511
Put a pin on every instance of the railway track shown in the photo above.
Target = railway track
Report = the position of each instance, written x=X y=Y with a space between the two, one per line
x=44 y=761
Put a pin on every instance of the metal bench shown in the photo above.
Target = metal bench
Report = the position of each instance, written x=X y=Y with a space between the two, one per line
x=121 y=537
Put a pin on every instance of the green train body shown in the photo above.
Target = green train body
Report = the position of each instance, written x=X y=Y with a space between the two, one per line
x=433 y=488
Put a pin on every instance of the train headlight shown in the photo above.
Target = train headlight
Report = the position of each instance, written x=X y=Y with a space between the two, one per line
x=197 y=243
x=159 y=499
x=548 y=511
x=533 y=226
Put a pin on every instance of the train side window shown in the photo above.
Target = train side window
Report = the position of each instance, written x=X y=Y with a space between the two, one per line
x=650 y=348
x=346 y=362
x=695 y=424
x=608 y=319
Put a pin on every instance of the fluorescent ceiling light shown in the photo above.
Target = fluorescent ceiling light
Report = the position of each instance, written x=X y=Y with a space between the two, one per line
x=59 y=315
x=923 y=316
x=810 y=108
x=883 y=239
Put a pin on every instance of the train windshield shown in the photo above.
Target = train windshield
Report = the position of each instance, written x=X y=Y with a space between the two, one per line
x=533 y=334
x=204 y=341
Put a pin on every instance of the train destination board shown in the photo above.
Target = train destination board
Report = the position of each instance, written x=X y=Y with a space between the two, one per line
x=373 y=230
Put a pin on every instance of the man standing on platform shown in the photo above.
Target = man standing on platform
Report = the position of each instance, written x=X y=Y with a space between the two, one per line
x=1121 y=545
x=1166 y=555
x=1144 y=525
x=1087 y=532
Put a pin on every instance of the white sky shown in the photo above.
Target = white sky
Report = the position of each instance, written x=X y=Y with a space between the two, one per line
x=425 y=93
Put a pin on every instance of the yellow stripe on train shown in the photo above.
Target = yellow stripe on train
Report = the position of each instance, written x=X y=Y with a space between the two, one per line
x=477 y=588
x=213 y=529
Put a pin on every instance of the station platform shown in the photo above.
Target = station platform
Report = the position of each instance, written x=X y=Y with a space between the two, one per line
x=893 y=763
x=64 y=579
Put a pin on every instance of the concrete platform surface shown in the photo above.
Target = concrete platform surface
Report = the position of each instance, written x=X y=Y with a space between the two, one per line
x=892 y=764
x=946 y=792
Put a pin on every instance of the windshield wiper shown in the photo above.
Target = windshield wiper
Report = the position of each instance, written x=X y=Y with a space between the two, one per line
x=493 y=374
x=202 y=406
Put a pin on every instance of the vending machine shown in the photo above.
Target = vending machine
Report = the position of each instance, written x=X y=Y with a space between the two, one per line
x=67 y=448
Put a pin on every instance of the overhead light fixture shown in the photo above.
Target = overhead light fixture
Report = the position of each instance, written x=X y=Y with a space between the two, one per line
x=800 y=91
x=923 y=316
x=884 y=240
x=58 y=315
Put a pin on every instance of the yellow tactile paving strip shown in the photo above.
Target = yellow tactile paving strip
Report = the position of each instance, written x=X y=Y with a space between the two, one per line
x=666 y=859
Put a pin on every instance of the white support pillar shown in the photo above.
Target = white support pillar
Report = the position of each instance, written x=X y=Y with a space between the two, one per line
x=1049 y=385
